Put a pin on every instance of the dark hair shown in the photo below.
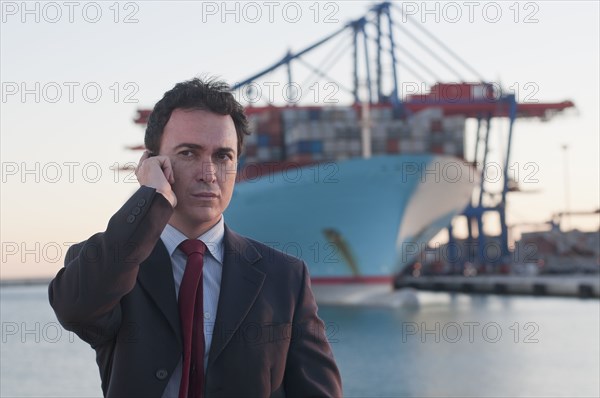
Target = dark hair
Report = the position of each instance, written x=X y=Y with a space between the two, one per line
x=210 y=94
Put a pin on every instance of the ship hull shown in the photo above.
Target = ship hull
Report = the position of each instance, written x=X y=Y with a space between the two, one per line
x=358 y=221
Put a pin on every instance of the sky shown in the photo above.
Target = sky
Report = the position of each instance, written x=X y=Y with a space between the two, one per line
x=74 y=74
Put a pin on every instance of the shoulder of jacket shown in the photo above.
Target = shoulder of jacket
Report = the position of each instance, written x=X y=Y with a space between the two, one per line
x=272 y=253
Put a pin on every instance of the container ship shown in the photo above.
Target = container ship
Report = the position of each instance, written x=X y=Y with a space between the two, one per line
x=354 y=192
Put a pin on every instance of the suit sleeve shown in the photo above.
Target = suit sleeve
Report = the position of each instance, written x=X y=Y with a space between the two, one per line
x=85 y=294
x=311 y=370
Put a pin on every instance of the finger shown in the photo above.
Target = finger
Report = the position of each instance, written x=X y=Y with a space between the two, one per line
x=145 y=155
x=167 y=169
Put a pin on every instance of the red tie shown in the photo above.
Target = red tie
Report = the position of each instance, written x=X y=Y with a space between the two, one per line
x=191 y=313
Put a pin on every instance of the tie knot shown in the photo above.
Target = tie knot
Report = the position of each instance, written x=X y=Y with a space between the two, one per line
x=190 y=246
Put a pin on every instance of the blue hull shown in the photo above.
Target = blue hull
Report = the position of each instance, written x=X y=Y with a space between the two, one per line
x=348 y=219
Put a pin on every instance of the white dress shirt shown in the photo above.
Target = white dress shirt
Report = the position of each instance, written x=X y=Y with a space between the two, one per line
x=211 y=282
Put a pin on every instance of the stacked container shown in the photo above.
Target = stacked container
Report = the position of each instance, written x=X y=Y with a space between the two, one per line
x=265 y=141
x=313 y=134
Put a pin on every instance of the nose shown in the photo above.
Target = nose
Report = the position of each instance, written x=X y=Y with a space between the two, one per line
x=207 y=172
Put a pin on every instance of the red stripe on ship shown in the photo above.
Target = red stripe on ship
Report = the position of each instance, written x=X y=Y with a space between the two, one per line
x=340 y=280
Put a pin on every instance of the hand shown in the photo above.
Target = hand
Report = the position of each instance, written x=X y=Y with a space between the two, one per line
x=157 y=172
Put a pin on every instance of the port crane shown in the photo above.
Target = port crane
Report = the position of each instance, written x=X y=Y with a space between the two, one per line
x=373 y=35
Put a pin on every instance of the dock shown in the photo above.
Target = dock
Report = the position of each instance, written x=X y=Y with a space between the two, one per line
x=584 y=286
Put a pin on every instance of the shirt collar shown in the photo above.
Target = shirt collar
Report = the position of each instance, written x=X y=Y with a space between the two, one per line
x=213 y=239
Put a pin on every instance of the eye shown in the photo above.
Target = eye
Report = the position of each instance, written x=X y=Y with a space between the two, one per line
x=186 y=153
x=224 y=156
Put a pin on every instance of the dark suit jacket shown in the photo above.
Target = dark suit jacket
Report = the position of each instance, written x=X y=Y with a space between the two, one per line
x=117 y=293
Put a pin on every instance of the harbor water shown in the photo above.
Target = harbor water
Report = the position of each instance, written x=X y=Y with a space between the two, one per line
x=450 y=345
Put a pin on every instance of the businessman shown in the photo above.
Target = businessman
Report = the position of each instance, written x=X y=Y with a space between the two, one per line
x=174 y=302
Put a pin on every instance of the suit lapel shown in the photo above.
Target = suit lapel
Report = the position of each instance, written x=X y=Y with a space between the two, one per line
x=241 y=283
x=156 y=278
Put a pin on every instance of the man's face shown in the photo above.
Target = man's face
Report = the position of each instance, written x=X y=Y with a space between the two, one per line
x=202 y=147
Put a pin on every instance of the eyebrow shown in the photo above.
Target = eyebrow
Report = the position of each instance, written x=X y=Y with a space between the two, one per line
x=196 y=146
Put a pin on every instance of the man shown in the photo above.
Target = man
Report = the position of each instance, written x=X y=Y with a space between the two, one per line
x=249 y=325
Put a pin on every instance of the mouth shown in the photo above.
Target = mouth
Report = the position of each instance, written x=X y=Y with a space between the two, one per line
x=205 y=195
